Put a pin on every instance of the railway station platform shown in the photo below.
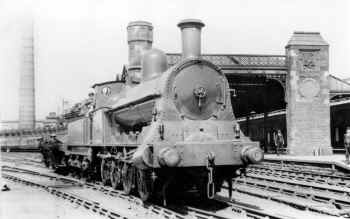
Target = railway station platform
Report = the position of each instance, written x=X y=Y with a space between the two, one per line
x=336 y=161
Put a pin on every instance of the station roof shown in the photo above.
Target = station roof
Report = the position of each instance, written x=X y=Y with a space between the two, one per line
x=338 y=86
x=238 y=60
x=249 y=61
x=342 y=102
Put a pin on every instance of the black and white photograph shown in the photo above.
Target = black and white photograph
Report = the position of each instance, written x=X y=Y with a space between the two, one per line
x=178 y=109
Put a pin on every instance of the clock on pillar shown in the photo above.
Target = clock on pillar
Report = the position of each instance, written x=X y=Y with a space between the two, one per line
x=307 y=89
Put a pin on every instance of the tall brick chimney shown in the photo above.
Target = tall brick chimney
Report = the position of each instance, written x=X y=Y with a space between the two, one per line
x=27 y=83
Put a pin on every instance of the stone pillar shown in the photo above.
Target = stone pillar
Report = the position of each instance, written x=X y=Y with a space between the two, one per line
x=308 y=110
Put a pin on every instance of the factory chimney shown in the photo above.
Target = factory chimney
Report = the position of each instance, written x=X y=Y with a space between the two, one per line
x=26 y=87
x=140 y=38
x=191 y=37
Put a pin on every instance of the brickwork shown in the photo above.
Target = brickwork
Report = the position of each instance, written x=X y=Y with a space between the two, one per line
x=308 y=109
x=27 y=81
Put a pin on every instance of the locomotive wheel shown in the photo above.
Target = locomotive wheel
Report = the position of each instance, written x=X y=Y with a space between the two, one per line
x=116 y=174
x=46 y=160
x=127 y=176
x=105 y=172
x=144 y=186
x=85 y=166
x=47 y=163
x=201 y=185
x=52 y=160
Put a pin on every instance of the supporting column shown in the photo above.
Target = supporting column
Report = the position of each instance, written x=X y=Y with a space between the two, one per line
x=308 y=110
x=265 y=116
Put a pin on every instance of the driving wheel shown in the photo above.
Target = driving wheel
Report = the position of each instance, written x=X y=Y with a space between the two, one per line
x=105 y=172
x=144 y=186
x=127 y=177
x=116 y=174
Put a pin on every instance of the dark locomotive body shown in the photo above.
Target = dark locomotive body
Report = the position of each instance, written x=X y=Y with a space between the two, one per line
x=174 y=127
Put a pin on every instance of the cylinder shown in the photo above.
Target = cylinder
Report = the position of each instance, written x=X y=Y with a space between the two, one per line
x=26 y=87
x=140 y=38
x=143 y=157
x=191 y=37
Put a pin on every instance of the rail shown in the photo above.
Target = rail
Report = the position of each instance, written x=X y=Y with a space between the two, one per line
x=238 y=210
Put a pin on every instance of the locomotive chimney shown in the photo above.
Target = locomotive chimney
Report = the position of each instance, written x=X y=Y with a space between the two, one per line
x=140 y=38
x=191 y=37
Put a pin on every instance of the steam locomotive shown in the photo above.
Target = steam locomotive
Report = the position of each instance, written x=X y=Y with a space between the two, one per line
x=160 y=129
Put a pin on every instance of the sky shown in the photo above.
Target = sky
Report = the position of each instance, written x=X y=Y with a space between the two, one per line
x=82 y=42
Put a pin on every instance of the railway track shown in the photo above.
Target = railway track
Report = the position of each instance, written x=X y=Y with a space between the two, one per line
x=329 y=195
x=333 y=203
x=22 y=158
x=336 y=179
x=327 y=169
x=73 y=191
x=51 y=180
x=240 y=210
x=59 y=191
x=81 y=193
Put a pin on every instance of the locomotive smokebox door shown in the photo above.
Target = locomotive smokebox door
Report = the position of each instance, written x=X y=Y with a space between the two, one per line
x=196 y=91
